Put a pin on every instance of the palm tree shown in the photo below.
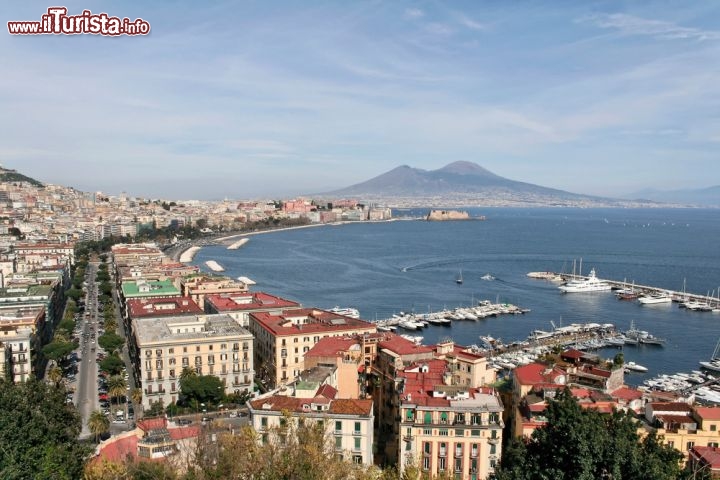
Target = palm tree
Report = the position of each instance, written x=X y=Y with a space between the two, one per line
x=98 y=424
x=55 y=374
x=187 y=372
x=117 y=388
x=136 y=396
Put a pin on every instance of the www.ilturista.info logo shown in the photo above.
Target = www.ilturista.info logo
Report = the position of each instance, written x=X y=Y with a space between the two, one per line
x=58 y=22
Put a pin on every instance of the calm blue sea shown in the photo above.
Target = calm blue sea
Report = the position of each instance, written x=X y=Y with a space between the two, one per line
x=385 y=268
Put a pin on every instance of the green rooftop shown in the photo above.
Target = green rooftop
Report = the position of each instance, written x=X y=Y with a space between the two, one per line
x=149 y=288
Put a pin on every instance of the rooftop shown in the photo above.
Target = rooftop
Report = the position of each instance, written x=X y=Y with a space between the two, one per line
x=708 y=413
x=280 y=403
x=191 y=327
x=403 y=346
x=332 y=347
x=535 y=373
x=149 y=288
x=248 y=301
x=156 y=307
x=308 y=321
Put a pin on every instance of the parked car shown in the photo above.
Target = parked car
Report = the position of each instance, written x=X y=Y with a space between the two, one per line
x=183 y=421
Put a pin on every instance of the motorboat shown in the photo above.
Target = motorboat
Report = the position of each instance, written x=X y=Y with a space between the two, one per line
x=635 y=367
x=589 y=284
x=656 y=298
x=346 y=311
x=714 y=363
x=487 y=276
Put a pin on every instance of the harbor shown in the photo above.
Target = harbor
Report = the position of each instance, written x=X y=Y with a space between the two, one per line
x=644 y=294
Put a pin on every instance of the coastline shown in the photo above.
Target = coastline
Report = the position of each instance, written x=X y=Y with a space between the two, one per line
x=192 y=247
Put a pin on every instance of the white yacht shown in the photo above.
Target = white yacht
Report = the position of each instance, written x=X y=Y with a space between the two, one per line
x=714 y=363
x=655 y=299
x=590 y=284
x=635 y=367
x=348 y=312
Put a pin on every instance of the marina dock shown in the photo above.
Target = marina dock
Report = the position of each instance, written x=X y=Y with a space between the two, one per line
x=712 y=302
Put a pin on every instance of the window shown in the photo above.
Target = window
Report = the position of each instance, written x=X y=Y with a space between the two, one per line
x=338 y=426
x=459 y=432
x=428 y=417
x=295 y=340
x=357 y=428
x=197 y=348
x=443 y=417
x=458 y=464
x=426 y=463
x=493 y=446
x=427 y=448
x=427 y=431
x=357 y=458
x=713 y=444
x=443 y=432
x=441 y=464
x=443 y=449
x=338 y=442
x=493 y=434
x=409 y=415
x=689 y=445
x=475 y=433
x=474 y=450
x=358 y=441
x=713 y=428
x=171 y=351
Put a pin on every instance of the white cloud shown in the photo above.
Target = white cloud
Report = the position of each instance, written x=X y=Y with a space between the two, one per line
x=468 y=22
x=632 y=25
x=414 y=13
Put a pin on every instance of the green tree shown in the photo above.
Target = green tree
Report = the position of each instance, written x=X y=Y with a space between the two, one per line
x=110 y=341
x=584 y=444
x=74 y=293
x=117 y=387
x=55 y=375
x=202 y=388
x=112 y=364
x=98 y=424
x=39 y=433
x=58 y=350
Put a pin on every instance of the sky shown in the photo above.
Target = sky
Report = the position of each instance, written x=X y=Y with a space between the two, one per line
x=277 y=98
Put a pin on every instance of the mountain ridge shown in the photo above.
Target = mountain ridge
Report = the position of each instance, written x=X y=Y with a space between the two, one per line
x=463 y=183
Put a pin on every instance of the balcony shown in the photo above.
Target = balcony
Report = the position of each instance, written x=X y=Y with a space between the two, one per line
x=473 y=453
x=442 y=453
x=408 y=438
x=357 y=432
x=493 y=441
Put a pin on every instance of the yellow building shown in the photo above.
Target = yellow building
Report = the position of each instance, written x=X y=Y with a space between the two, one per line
x=448 y=429
x=683 y=426
x=19 y=342
x=210 y=344
x=281 y=341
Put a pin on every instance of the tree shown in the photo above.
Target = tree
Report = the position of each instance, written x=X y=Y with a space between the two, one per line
x=74 y=293
x=112 y=364
x=584 y=444
x=58 y=350
x=619 y=360
x=98 y=424
x=39 y=433
x=110 y=341
x=117 y=387
x=202 y=388
x=136 y=396
x=55 y=375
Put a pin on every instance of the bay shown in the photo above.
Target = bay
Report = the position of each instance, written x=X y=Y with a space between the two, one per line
x=384 y=268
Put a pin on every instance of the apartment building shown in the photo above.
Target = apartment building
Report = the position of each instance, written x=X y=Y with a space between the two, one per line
x=684 y=426
x=19 y=342
x=348 y=421
x=162 y=347
x=281 y=340
x=199 y=287
x=448 y=429
x=241 y=305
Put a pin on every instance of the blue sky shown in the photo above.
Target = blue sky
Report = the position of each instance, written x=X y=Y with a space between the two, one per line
x=269 y=98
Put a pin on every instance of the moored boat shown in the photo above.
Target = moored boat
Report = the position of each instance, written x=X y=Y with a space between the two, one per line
x=589 y=284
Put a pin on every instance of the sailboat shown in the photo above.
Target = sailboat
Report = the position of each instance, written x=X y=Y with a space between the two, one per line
x=459 y=280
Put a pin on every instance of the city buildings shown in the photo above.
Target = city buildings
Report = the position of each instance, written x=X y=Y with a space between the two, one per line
x=281 y=340
x=241 y=304
x=348 y=421
x=216 y=345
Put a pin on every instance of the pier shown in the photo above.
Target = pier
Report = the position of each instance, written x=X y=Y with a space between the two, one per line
x=712 y=302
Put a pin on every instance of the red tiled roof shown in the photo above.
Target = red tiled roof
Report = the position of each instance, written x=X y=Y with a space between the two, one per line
x=316 y=321
x=708 y=413
x=157 y=307
x=147 y=424
x=572 y=353
x=403 y=346
x=118 y=449
x=231 y=302
x=331 y=347
x=669 y=418
x=537 y=407
x=534 y=373
x=710 y=455
x=327 y=391
x=670 y=407
x=627 y=394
